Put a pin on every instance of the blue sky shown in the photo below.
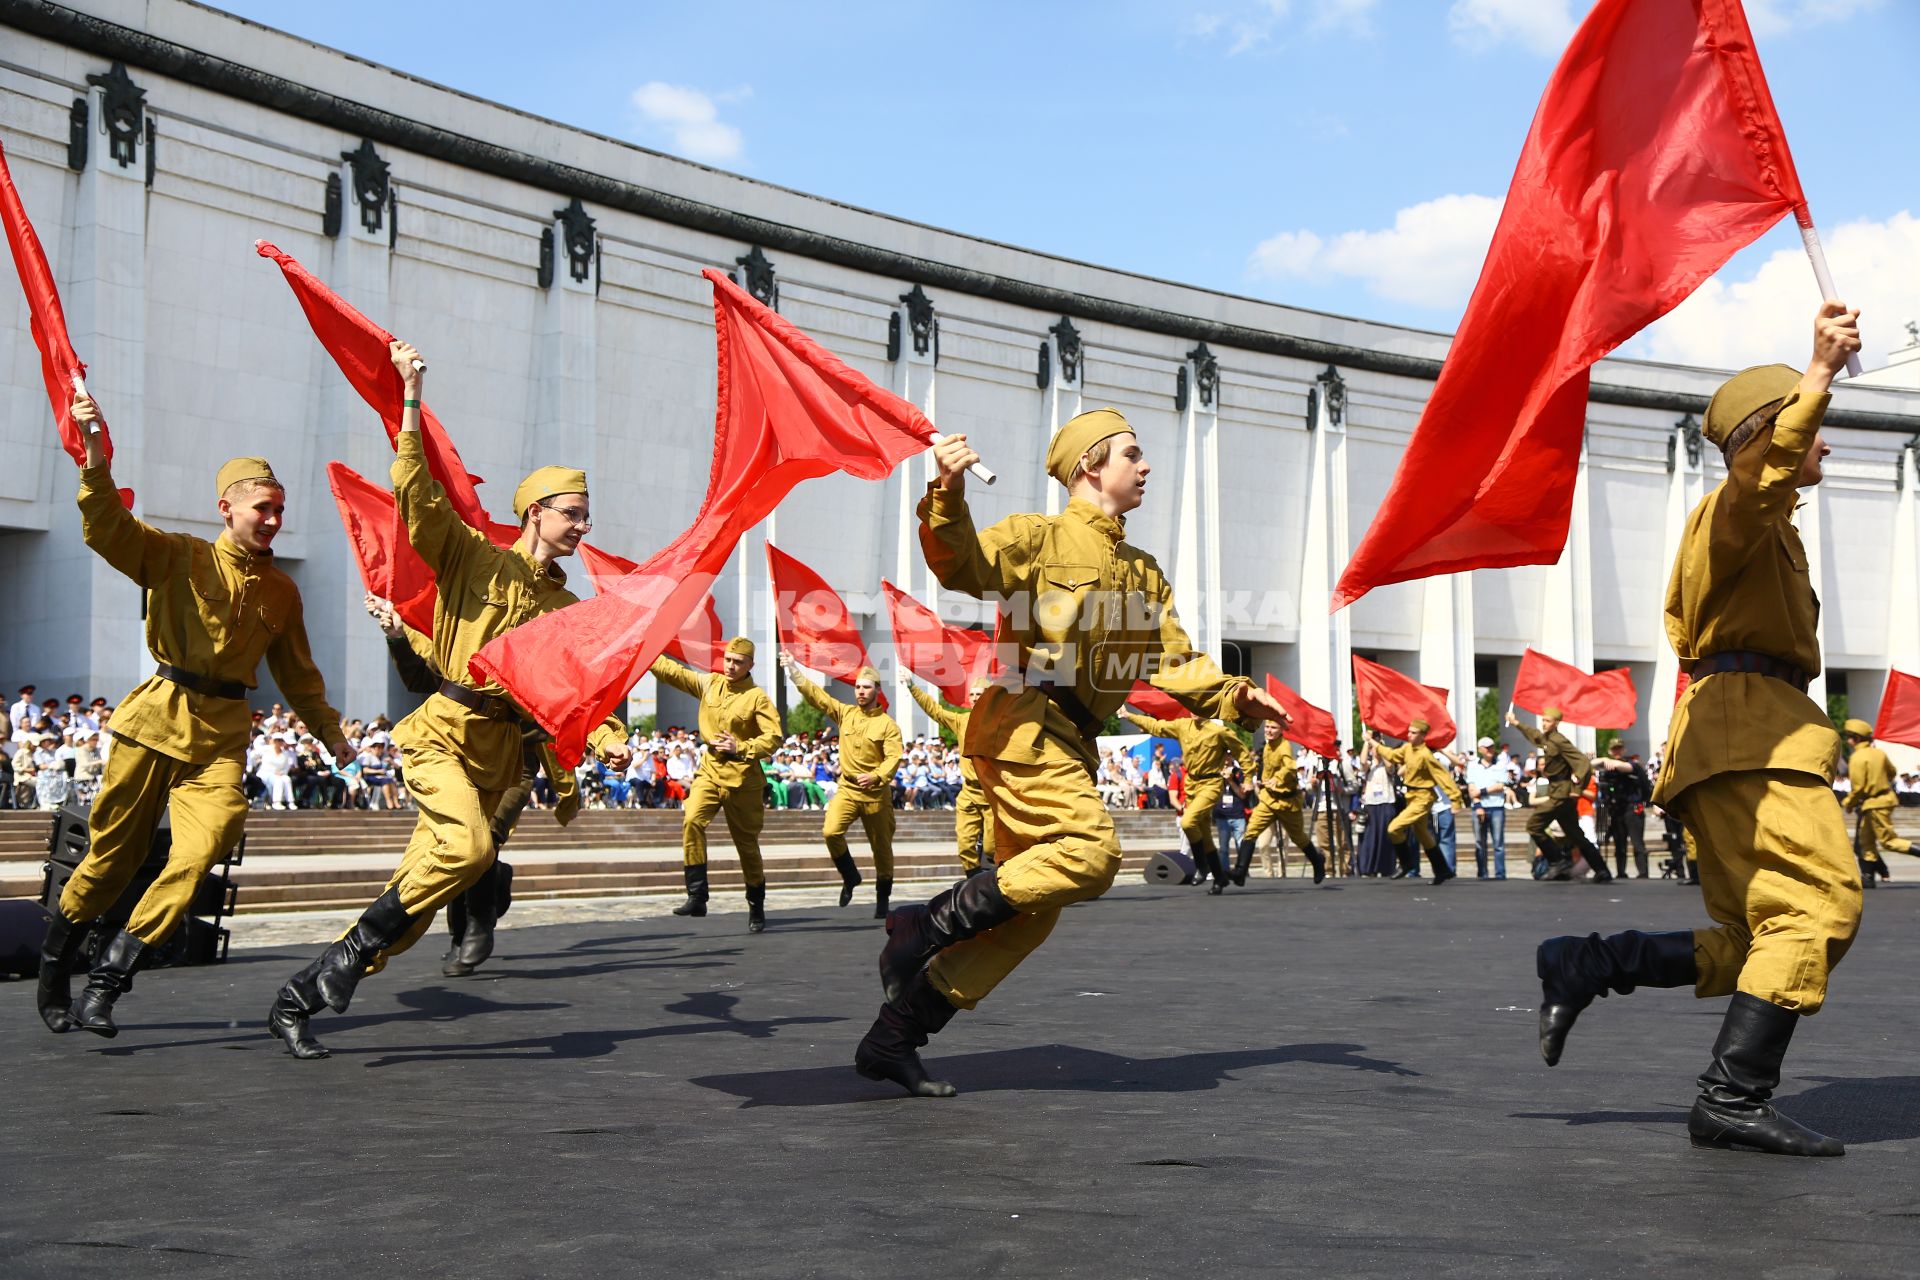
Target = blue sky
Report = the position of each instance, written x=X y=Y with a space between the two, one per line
x=1345 y=155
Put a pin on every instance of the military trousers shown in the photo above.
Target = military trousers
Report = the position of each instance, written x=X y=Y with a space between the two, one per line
x=972 y=827
x=1876 y=832
x=745 y=810
x=875 y=812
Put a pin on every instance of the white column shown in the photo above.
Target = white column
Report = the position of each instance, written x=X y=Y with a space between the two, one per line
x=914 y=380
x=1059 y=404
x=346 y=645
x=1684 y=488
x=1196 y=539
x=1566 y=615
x=1903 y=575
x=1447 y=647
x=1810 y=518
x=106 y=308
x=1326 y=640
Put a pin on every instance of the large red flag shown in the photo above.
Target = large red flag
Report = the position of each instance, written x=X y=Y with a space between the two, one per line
x=1655 y=155
x=700 y=643
x=815 y=625
x=359 y=347
x=1389 y=700
x=950 y=658
x=1603 y=700
x=59 y=365
x=1152 y=702
x=389 y=565
x=1312 y=727
x=788 y=410
x=1899 y=719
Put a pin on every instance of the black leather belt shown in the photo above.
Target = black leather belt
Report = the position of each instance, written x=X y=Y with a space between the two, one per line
x=491 y=707
x=206 y=686
x=1075 y=710
x=1759 y=664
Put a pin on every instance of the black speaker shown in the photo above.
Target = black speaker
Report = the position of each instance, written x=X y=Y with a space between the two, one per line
x=23 y=925
x=1170 y=868
x=197 y=941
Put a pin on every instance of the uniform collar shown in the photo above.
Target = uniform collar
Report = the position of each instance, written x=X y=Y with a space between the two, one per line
x=235 y=554
x=1114 y=527
x=553 y=571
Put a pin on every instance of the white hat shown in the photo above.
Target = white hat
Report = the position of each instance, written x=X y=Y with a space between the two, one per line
x=1487 y=742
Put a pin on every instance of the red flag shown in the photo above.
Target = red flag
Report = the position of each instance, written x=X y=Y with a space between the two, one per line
x=1604 y=700
x=950 y=658
x=787 y=410
x=1899 y=719
x=59 y=365
x=700 y=643
x=1389 y=700
x=1312 y=728
x=1655 y=155
x=1152 y=702
x=388 y=563
x=814 y=623
x=359 y=347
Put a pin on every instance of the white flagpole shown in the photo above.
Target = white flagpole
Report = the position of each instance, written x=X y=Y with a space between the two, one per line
x=1823 y=277
x=979 y=470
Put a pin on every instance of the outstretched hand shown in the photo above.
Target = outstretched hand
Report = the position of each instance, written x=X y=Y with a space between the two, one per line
x=86 y=416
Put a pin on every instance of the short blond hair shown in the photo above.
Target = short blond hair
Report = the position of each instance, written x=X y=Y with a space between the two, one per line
x=240 y=490
x=1093 y=459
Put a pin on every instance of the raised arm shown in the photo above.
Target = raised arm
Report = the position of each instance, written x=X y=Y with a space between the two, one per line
x=819 y=699
x=434 y=528
x=683 y=678
x=1147 y=724
x=112 y=532
x=941 y=713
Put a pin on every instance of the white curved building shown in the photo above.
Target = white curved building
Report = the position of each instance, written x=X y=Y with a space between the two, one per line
x=551 y=276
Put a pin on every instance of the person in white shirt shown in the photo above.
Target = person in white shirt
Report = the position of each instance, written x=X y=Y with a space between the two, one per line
x=276 y=771
x=1489 y=779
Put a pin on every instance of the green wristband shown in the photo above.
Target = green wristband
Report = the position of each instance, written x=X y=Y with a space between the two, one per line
x=410 y=404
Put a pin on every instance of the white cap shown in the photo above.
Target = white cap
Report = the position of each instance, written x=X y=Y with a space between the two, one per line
x=1487 y=742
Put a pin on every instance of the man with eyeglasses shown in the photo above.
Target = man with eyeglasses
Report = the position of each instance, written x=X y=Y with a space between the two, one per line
x=463 y=746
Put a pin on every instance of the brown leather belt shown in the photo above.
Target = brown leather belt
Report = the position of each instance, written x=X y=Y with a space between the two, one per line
x=205 y=686
x=1759 y=664
x=493 y=708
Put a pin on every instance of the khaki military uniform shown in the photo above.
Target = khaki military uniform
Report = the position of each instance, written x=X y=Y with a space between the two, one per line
x=1278 y=799
x=1566 y=769
x=460 y=763
x=1750 y=759
x=1420 y=772
x=1870 y=790
x=1101 y=615
x=972 y=816
x=733 y=783
x=213 y=609
x=1204 y=748
x=869 y=743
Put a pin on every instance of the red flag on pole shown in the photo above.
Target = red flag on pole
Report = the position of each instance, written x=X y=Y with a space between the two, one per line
x=1899 y=719
x=389 y=565
x=788 y=410
x=359 y=347
x=815 y=624
x=700 y=642
x=1602 y=700
x=60 y=367
x=949 y=658
x=1389 y=700
x=1312 y=727
x=1152 y=702
x=1655 y=155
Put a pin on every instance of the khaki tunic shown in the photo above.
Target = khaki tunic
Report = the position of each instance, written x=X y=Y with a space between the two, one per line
x=215 y=609
x=972 y=818
x=1564 y=766
x=869 y=741
x=1870 y=779
x=739 y=707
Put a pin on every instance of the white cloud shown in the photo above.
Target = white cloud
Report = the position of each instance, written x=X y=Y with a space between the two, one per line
x=1777 y=17
x=1429 y=257
x=1542 y=26
x=1251 y=26
x=689 y=120
x=1768 y=315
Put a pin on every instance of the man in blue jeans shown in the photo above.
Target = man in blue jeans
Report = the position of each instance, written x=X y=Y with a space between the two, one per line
x=1487 y=788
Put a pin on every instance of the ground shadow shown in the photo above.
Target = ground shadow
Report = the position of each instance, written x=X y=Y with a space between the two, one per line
x=1874 y=1109
x=716 y=1009
x=1051 y=1068
x=424 y=1004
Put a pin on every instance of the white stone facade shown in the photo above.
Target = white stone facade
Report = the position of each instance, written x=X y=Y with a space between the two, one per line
x=1263 y=481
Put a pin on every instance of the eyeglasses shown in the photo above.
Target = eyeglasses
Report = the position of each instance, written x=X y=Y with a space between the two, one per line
x=576 y=516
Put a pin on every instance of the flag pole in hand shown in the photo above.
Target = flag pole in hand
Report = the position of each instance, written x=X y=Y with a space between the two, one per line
x=1810 y=237
x=979 y=470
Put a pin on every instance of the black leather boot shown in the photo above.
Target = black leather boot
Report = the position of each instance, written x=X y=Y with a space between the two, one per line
x=1574 y=970
x=297 y=1001
x=696 y=903
x=882 y=896
x=1318 y=861
x=1868 y=880
x=476 y=939
x=915 y=934
x=1438 y=865
x=343 y=964
x=456 y=930
x=58 y=951
x=889 y=1049
x=112 y=975
x=1733 y=1110
x=1559 y=865
x=1880 y=868
x=756 y=908
x=1242 y=862
x=1219 y=864
x=1403 y=864
x=843 y=863
x=1595 y=859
